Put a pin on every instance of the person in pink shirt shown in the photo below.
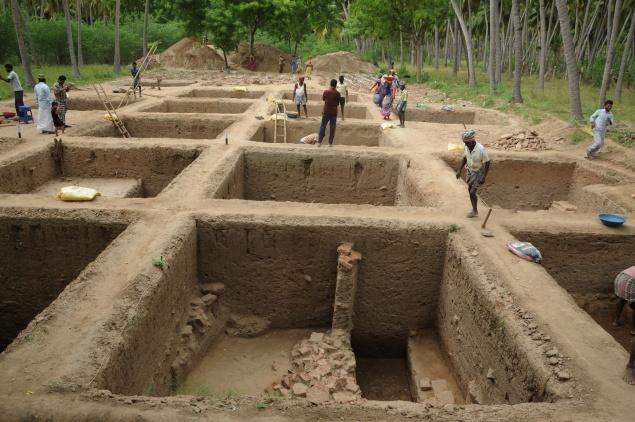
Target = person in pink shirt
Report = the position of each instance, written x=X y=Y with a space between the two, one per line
x=625 y=291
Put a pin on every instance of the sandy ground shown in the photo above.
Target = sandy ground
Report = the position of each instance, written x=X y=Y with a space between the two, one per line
x=49 y=369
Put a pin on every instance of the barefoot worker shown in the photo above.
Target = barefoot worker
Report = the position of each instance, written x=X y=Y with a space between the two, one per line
x=43 y=97
x=329 y=115
x=342 y=88
x=300 y=96
x=624 y=287
x=629 y=372
x=60 y=89
x=13 y=79
x=402 y=103
x=477 y=162
x=600 y=121
x=136 y=79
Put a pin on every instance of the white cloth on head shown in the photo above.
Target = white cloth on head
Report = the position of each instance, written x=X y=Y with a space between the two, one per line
x=601 y=119
x=476 y=158
x=44 y=117
x=15 y=81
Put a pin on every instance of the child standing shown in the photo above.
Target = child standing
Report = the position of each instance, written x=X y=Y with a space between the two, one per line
x=57 y=122
x=402 y=103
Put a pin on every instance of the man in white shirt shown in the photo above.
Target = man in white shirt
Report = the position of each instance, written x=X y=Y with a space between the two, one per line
x=13 y=79
x=477 y=161
x=600 y=121
x=342 y=88
x=43 y=97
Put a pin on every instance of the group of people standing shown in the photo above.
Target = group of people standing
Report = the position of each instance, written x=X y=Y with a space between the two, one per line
x=51 y=117
x=388 y=88
x=296 y=65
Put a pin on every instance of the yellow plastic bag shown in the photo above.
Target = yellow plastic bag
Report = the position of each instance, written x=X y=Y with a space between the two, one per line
x=240 y=88
x=77 y=193
x=109 y=118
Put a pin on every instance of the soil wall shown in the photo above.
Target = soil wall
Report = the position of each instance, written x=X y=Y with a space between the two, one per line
x=351 y=111
x=199 y=106
x=285 y=273
x=583 y=263
x=483 y=338
x=222 y=93
x=162 y=126
x=38 y=258
x=25 y=172
x=352 y=134
x=316 y=95
x=326 y=178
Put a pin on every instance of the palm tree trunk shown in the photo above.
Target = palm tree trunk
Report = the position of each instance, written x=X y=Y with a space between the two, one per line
x=610 y=52
x=29 y=37
x=446 y=45
x=543 y=48
x=625 y=54
x=117 y=60
x=146 y=17
x=436 y=46
x=24 y=54
x=493 y=35
x=468 y=45
x=80 y=53
x=573 y=75
x=69 y=39
x=455 y=51
x=517 y=96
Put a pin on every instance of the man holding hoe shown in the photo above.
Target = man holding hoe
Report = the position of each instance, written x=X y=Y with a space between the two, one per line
x=477 y=161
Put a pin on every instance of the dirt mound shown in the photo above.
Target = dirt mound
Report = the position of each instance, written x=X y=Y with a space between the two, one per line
x=342 y=61
x=266 y=57
x=191 y=54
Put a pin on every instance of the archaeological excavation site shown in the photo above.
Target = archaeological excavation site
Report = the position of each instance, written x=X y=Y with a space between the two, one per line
x=228 y=272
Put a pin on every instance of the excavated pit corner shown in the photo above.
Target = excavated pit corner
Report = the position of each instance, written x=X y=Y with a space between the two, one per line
x=536 y=185
x=124 y=172
x=39 y=257
x=585 y=265
x=330 y=177
x=163 y=126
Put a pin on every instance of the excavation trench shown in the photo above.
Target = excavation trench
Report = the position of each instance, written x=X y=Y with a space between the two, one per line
x=457 y=116
x=317 y=97
x=540 y=185
x=199 y=106
x=163 y=126
x=329 y=177
x=347 y=133
x=241 y=294
x=222 y=93
x=134 y=172
x=39 y=258
x=585 y=265
x=351 y=111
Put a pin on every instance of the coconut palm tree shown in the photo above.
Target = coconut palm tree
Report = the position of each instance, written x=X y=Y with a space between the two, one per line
x=78 y=12
x=69 y=38
x=117 y=62
x=625 y=55
x=467 y=36
x=146 y=16
x=573 y=75
x=543 y=47
x=610 y=52
x=493 y=37
x=24 y=55
x=518 y=53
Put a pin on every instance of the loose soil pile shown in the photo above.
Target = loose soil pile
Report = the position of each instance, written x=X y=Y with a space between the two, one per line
x=191 y=54
x=521 y=141
x=342 y=61
x=266 y=57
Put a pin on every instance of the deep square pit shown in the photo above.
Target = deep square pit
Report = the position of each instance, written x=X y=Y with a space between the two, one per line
x=116 y=172
x=317 y=96
x=351 y=111
x=163 y=126
x=329 y=177
x=281 y=278
x=222 y=93
x=585 y=265
x=39 y=257
x=177 y=105
x=346 y=133
x=459 y=116
x=535 y=185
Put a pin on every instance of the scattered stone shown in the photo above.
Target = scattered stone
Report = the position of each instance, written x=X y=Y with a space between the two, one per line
x=205 y=288
x=217 y=288
x=186 y=331
x=197 y=301
x=318 y=394
x=344 y=397
x=316 y=337
x=532 y=326
x=299 y=389
x=552 y=352
x=439 y=385
x=554 y=361
x=490 y=374
x=425 y=384
x=209 y=298
x=563 y=375
x=445 y=397
x=246 y=325
x=307 y=278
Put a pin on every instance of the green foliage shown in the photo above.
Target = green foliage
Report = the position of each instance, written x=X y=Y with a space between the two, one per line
x=8 y=46
x=578 y=136
x=224 y=30
x=160 y=263
x=454 y=228
x=623 y=136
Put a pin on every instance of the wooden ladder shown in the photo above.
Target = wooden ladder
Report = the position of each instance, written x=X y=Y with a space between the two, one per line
x=103 y=97
x=144 y=63
x=281 y=109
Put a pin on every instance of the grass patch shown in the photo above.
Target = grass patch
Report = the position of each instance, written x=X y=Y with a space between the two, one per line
x=623 y=136
x=537 y=106
x=578 y=136
x=90 y=74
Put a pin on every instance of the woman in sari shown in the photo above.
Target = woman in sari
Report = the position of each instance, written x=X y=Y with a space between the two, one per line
x=387 y=98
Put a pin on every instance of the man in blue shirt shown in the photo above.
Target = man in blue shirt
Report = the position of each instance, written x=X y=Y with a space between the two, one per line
x=600 y=121
x=136 y=79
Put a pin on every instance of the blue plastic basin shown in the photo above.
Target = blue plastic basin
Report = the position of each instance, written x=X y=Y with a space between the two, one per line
x=612 y=220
